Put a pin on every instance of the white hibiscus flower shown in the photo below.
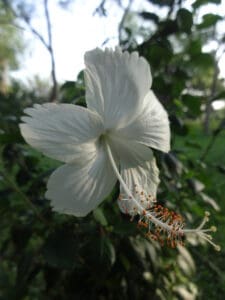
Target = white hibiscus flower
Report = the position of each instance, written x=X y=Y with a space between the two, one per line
x=109 y=140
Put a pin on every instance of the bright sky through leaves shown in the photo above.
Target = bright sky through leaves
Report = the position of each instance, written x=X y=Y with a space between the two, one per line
x=75 y=31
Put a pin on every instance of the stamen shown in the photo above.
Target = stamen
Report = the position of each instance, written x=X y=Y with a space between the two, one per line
x=162 y=225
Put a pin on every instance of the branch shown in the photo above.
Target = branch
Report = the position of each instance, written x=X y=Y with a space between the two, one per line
x=26 y=20
x=53 y=95
x=47 y=44
x=37 y=34
x=100 y=9
x=121 y=24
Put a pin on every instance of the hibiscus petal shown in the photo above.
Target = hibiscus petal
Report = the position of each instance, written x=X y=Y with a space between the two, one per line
x=138 y=170
x=116 y=84
x=77 y=191
x=142 y=181
x=61 y=131
x=151 y=126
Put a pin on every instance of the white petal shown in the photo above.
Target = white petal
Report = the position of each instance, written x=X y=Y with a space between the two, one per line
x=116 y=84
x=77 y=191
x=142 y=181
x=61 y=131
x=139 y=171
x=151 y=127
x=128 y=152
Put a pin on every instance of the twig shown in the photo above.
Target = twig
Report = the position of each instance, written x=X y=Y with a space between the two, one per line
x=100 y=9
x=121 y=24
x=50 y=48
x=47 y=44
x=171 y=9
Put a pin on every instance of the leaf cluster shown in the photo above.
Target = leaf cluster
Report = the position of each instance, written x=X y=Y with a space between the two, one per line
x=45 y=255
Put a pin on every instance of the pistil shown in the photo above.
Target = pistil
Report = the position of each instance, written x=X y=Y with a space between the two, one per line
x=162 y=224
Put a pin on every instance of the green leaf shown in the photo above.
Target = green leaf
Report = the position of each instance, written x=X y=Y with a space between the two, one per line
x=178 y=125
x=220 y=95
x=99 y=252
x=210 y=201
x=60 y=249
x=185 y=261
x=100 y=217
x=174 y=165
x=149 y=16
x=108 y=253
x=202 y=60
x=8 y=138
x=193 y=103
x=209 y=20
x=71 y=91
x=221 y=169
x=160 y=53
x=199 y=3
x=184 y=20
x=196 y=185
x=194 y=47
x=162 y=3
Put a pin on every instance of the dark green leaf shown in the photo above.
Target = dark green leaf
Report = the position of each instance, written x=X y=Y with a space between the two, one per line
x=193 y=103
x=199 y=3
x=194 y=47
x=162 y=3
x=184 y=20
x=160 y=53
x=209 y=20
x=178 y=125
x=99 y=252
x=210 y=201
x=174 y=165
x=221 y=169
x=149 y=16
x=60 y=249
x=196 y=185
x=8 y=138
x=71 y=91
x=220 y=95
x=202 y=60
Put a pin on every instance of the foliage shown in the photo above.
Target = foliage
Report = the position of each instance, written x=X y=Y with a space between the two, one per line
x=45 y=255
x=11 y=41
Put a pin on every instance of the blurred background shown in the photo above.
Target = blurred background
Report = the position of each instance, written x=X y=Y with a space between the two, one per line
x=45 y=255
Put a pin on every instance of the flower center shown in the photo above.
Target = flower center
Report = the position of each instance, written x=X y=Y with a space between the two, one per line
x=104 y=136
